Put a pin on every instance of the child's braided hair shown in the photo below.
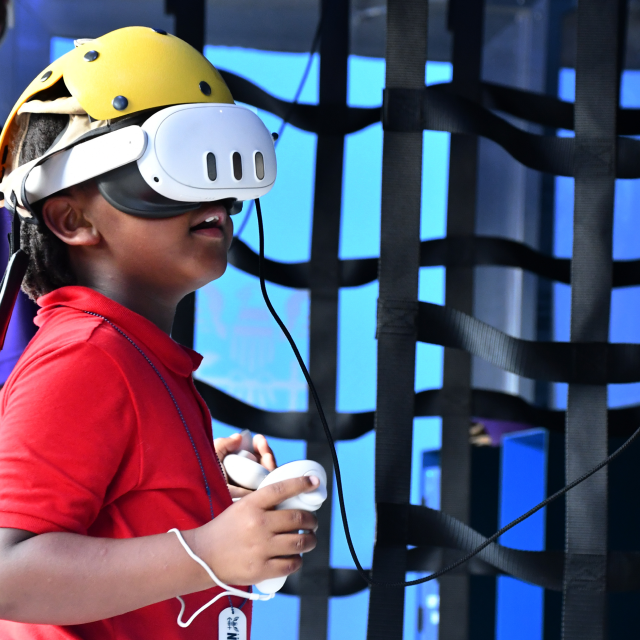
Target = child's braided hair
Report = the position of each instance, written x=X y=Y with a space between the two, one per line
x=49 y=267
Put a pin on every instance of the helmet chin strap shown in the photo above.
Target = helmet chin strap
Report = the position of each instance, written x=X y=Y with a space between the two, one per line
x=14 y=235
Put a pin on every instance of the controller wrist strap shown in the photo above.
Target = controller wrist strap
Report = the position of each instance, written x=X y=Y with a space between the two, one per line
x=228 y=590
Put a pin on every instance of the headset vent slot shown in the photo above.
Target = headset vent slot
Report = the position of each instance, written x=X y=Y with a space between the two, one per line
x=259 y=166
x=212 y=171
x=237 y=166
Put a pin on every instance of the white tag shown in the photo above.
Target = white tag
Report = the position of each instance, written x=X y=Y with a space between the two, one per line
x=232 y=624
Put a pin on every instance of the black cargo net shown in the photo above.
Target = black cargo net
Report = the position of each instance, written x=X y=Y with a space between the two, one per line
x=466 y=108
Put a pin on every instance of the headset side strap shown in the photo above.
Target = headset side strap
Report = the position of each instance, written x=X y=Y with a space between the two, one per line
x=25 y=199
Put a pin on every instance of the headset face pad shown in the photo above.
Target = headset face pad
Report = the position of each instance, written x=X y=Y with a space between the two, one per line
x=125 y=189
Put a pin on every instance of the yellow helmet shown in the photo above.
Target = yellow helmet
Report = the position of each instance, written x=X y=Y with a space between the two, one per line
x=149 y=118
x=121 y=73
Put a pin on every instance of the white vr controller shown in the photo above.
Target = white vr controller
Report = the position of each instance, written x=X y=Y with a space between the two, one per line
x=248 y=474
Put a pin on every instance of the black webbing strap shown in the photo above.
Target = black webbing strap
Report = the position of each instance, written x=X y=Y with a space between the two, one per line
x=597 y=94
x=623 y=567
x=343 y=582
x=541 y=568
x=542 y=109
x=405 y=110
x=331 y=119
x=485 y=404
x=435 y=535
x=455 y=251
x=428 y=528
x=466 y=19
x=315 y=576
x=406 y=56
x=536 y=108
x=574 y=362
x=292 y=425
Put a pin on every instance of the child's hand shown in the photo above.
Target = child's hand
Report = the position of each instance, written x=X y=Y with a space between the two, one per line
x=250 y=541
x=263 y=455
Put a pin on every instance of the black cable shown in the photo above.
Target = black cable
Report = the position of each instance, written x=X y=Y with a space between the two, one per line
x=314 y=47
x=363 y=573
x=314 y=393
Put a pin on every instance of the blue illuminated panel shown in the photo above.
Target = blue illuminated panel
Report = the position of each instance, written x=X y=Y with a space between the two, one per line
x=429 y=598
x=523 y=484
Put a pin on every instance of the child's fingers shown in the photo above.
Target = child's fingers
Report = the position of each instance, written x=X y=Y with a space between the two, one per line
x=289 y=520
x=272 y=495
x=238 y=492
x=283 y=566
x=289 y=544
x=225 y=446
x=263 y=450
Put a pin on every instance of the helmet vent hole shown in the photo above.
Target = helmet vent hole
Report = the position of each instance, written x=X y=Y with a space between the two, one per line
x=237 y=166
x=156 y=179
x=212 y=170
x=259 y=166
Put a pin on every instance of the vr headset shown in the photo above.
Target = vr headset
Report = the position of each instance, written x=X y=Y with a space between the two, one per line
x=175 y=160
x=171 y=163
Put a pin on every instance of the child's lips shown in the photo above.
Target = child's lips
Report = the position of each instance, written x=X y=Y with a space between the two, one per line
x=209 y=232
x=210 y=223
x=211 y=227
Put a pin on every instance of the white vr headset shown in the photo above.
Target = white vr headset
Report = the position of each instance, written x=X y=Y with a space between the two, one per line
x=178 y=158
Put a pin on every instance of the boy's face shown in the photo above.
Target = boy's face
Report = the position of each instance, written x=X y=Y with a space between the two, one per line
x=167 y=257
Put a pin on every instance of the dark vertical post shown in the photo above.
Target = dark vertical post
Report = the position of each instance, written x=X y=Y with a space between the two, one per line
x=597 y=91
x=190 y=20
x=466 y=19
x=483 y=517
x=323 y=323
x=554 y=532
x=557 y=9
x=406 y=56
x=554 y=516
x=190 y=24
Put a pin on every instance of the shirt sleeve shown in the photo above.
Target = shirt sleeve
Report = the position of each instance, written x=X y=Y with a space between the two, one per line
x=68 y=424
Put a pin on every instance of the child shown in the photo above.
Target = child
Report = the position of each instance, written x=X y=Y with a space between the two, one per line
x=105 y=445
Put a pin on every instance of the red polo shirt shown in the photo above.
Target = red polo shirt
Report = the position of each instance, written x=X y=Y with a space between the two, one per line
x=91 y=443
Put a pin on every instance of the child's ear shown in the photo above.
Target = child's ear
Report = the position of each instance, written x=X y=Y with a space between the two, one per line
x=66 y=219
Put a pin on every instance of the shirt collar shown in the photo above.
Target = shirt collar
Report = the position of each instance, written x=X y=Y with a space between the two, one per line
x=176 y=357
